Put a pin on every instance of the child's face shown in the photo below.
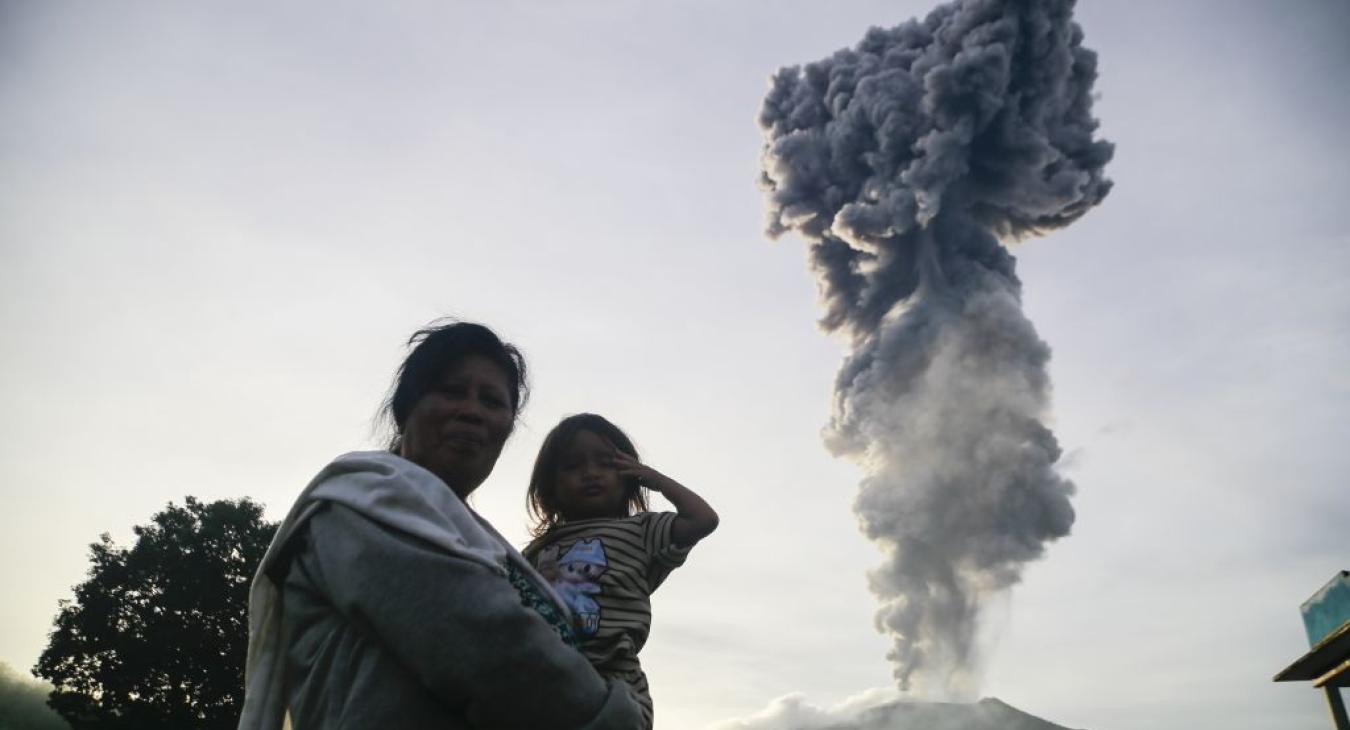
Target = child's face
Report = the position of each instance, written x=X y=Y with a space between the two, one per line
x=588 y=483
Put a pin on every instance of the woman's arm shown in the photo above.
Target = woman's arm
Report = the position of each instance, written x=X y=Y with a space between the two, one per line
x=461 y=629
x=695 y=519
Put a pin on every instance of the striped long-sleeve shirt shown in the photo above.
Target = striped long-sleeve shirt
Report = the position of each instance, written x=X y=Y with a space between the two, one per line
x=606 y=571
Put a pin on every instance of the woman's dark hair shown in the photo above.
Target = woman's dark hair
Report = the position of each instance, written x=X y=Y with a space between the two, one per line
x=541 y=499
x=437 y=347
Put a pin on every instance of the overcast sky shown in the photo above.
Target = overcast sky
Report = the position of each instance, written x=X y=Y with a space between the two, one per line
x=218 y=222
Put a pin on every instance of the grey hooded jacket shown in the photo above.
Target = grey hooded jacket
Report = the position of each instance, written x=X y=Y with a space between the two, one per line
x=390 y=610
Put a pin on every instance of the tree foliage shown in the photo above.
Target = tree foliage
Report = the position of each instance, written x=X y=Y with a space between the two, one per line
x=157 y=635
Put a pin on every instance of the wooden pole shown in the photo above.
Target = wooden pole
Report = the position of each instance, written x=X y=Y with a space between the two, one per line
x=1337 y=706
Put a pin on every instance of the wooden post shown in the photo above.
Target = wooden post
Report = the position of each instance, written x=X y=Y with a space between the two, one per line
x=1337 y=706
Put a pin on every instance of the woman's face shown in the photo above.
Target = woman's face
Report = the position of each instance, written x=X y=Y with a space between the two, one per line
x=458 y=428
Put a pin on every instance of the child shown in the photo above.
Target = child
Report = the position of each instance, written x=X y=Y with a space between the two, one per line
x=598 y=545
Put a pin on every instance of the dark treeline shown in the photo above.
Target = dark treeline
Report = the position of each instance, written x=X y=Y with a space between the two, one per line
x=156 y=637
x=23 y=703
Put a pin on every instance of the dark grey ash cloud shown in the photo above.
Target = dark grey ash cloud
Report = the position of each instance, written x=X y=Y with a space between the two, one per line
x=906 y=162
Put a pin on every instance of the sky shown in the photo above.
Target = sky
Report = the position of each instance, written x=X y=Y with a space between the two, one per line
x=219 y=223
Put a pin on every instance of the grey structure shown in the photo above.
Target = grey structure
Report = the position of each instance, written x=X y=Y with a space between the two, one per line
x=1326 y=618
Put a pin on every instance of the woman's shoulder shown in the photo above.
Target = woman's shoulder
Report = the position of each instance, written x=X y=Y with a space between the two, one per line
x=399 y=495
x=363 y=470
x=381 y=461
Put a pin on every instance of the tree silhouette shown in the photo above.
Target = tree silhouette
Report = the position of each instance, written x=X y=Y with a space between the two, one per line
x=157 y=636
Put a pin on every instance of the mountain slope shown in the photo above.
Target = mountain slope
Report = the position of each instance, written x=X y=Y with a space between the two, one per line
x=987 y=714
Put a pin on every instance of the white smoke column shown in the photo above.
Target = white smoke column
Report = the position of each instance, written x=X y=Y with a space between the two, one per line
x=903 y=162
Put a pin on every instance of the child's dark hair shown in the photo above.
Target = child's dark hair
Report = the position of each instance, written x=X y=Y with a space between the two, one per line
x=541 y=498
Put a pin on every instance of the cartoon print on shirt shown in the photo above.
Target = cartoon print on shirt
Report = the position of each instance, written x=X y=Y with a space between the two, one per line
x=574 y=577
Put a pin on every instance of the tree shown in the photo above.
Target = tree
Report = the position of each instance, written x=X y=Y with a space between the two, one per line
x=158 y=634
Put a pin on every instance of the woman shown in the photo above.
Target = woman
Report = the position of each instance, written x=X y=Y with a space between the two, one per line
x=385 y=602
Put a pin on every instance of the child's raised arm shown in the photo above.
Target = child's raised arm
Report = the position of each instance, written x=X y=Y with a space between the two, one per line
x=694 y=518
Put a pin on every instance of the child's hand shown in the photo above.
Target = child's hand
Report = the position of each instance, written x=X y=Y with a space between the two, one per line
x=694 y=519
x=627 y=466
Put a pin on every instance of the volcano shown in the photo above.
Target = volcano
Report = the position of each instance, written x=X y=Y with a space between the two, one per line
x=987 y=714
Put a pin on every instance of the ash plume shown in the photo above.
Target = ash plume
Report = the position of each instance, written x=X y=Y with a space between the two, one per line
x=906 y=162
